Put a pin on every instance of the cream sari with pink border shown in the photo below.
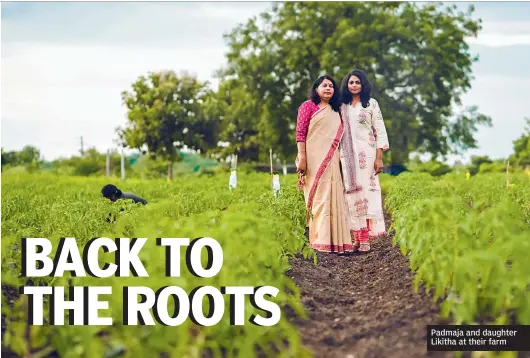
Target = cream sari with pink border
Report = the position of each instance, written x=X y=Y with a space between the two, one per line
x=328 y=221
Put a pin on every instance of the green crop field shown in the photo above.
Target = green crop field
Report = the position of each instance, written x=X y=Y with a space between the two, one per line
x=467 y=240
x=255 y=230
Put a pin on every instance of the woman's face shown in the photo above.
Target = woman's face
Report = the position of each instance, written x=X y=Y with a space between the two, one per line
x=354 y=85
x=325 y=90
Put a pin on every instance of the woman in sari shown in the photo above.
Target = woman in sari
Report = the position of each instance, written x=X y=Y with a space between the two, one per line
x=361 y=150
x=318 y=133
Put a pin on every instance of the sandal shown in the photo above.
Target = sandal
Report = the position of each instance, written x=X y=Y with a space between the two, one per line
x=364 y=248
x=356 y=246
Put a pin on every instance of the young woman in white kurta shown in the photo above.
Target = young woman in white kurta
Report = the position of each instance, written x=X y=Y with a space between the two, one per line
x=362 y=146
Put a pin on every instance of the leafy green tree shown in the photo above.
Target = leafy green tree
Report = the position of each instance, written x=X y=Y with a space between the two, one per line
x=477 y=161
x=9 y=158
x=165 y=113
x=29 y=157
x=521 y=148
x=239 y=121
x=416 y=57
x=497 y=166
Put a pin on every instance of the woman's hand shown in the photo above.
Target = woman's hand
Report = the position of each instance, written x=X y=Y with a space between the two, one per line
x=301 y=164
x=378 y=165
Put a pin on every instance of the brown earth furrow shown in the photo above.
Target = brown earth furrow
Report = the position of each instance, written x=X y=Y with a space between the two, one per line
x=363 y=305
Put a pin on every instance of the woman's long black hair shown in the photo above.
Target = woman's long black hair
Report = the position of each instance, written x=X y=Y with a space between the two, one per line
x=366 y=91
x=334 y=102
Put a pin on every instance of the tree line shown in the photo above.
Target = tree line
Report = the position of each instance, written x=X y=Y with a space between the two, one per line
x=91 y=162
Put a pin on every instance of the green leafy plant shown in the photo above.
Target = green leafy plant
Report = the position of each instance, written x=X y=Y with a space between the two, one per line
x=467 y=241
x=256 y=231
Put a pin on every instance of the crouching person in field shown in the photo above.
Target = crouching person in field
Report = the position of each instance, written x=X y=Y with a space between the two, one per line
x=112 y=193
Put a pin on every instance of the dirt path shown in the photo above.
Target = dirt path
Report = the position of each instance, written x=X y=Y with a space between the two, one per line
x=363 y=305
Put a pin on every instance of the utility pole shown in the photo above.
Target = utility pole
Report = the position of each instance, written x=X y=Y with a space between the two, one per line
x=82 y=150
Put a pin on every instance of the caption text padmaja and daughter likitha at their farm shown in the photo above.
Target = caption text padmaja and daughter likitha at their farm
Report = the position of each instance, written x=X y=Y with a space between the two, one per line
x=341 y=138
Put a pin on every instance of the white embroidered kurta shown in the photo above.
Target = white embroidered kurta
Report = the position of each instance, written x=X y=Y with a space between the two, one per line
x=367 y=133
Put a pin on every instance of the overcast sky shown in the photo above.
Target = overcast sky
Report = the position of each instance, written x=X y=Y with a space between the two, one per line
x=64 y=66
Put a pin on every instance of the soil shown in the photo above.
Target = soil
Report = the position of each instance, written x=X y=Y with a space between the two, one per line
x=363 y=305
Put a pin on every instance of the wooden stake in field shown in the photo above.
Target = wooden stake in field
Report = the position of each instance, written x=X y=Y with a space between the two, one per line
x=122 y=165
x=270 y=152
x=270 y=157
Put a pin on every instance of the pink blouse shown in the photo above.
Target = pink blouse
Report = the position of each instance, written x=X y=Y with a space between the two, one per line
x=305 y=112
